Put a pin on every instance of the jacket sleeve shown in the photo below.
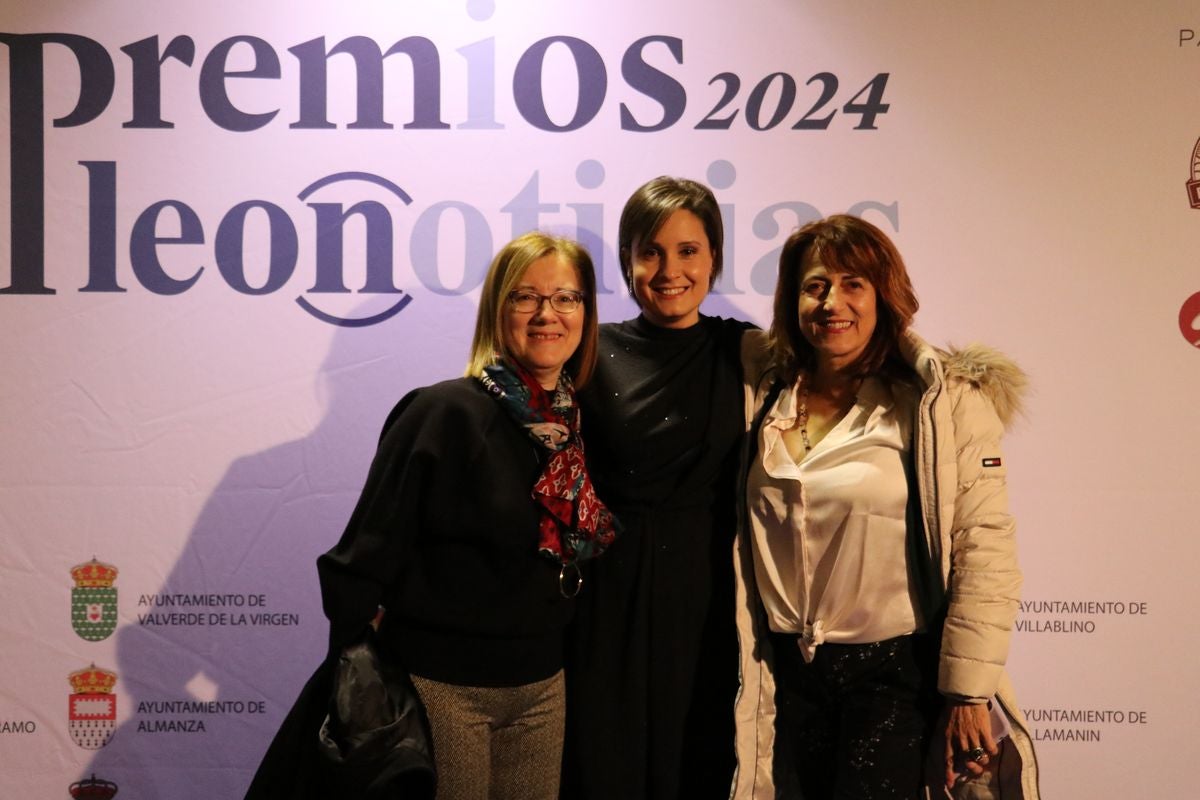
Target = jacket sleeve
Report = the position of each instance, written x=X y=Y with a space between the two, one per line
x=367 y=560
x=985 y=580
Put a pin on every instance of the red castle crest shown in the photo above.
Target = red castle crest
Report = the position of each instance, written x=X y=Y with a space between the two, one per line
x=93 y=707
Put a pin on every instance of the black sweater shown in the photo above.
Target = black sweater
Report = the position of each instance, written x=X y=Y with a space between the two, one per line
x=444 y=537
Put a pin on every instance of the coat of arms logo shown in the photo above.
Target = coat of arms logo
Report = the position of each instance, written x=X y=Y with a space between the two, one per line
x=1193 y=183
x=93 y=708
x=94 y=600
x=93 y=788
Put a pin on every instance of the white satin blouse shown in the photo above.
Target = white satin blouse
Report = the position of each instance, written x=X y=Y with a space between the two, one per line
x=828 y=533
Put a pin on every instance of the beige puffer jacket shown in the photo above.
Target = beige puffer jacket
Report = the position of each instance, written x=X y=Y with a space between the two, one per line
x=970 y=397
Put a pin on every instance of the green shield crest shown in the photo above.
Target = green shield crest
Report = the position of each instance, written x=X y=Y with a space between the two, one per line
x=94 y=611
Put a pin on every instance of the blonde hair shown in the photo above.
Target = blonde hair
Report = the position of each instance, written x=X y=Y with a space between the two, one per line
x=505 y=274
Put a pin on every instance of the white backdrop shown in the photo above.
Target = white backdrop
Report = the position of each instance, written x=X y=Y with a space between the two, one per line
x=177 y=402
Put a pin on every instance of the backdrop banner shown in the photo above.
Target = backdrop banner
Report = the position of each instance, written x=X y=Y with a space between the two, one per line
x=233 y=234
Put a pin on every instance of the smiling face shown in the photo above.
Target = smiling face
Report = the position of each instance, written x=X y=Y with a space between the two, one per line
x=542 y=341
x=672 y=271
x=837 y=312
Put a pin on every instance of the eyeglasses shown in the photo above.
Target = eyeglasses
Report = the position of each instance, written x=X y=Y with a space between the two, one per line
x=564 y=302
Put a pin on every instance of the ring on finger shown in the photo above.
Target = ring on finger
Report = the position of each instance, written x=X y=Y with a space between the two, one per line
x=976 y=754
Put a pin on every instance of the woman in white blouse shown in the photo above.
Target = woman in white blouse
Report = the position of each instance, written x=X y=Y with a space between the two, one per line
x=880 y=545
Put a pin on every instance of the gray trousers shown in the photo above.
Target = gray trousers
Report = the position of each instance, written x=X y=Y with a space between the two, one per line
x=496 y=743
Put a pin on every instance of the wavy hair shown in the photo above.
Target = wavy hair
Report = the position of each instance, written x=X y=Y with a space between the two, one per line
x=856 y=247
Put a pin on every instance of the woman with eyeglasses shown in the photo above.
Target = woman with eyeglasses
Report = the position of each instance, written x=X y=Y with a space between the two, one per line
x=652 y=672
x=467 y=539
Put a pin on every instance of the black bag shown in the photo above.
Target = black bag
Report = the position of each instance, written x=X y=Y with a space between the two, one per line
x=357 y=731
x=375 y=741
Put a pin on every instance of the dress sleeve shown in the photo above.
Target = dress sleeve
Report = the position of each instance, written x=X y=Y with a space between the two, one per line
x=985 y=579
x=380 y=534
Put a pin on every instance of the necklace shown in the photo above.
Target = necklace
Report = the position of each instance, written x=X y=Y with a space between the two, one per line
x=802 y=411
x=802 y=418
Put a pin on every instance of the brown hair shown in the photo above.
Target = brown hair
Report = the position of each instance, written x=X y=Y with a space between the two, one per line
x=648 y=208
x=856 y=247
x=507 y=269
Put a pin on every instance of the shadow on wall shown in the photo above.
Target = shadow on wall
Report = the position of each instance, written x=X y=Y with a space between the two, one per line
x=258 y=537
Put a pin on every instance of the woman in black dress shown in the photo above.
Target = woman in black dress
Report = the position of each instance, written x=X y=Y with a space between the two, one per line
x=653 y=669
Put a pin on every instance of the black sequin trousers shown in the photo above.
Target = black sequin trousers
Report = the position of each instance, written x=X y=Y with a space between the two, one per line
x=856 y=722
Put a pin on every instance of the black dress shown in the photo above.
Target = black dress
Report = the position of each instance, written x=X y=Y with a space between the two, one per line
x=652 y=668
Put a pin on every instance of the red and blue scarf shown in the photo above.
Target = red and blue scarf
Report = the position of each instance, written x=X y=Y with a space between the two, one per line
x=575 y=525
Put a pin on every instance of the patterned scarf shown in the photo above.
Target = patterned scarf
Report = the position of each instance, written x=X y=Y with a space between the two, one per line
x=575 y=525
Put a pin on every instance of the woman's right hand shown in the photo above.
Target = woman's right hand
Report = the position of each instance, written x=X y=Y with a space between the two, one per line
x=968 y=726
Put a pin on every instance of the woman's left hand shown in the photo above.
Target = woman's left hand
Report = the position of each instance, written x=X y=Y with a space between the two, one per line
x=968 y=728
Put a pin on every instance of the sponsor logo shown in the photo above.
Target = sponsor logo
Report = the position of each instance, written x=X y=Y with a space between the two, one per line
x=92 y=712
x=94 y=600
x=1189 y=312
x=93 y=788
x=1193 y=183
x=1189 y=320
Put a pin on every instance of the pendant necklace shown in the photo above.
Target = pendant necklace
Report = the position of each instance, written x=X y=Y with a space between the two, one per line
x=802 y=417
x=802 y=412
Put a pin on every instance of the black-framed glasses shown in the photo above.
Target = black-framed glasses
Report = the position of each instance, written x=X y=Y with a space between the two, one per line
x=564 y=302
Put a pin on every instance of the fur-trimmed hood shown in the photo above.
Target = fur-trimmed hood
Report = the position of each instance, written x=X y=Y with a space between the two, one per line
x=991 y=372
